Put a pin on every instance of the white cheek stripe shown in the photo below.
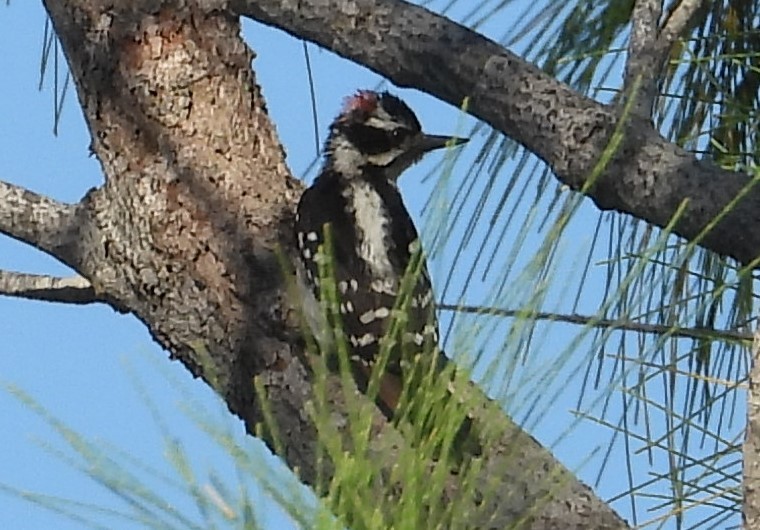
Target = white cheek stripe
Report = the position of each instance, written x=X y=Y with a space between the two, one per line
x=346 y=159
x=385 y=159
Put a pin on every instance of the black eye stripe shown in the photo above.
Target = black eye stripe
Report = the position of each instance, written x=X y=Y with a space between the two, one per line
x=371 y=140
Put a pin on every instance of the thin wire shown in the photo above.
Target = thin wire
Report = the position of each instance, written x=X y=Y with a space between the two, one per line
x=315 y=120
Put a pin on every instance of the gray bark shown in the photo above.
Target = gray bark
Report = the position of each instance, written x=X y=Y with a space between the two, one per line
x=75 y=290
x=751 y=447
x=197 y=198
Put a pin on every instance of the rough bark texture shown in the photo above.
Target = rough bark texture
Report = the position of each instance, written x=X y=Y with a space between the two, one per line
x=181 y=233
x=751 y=448
x=649 y=177
x=76 y=290
x=42 y=222
x=184 y=230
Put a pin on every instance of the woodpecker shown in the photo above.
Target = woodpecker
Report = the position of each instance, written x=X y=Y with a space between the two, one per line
x=371 y=142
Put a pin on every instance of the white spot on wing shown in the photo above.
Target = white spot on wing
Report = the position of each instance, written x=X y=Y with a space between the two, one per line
x=416 y=338
x=366 y=318
x=422 y=300
x=358 y=359
x=366 y=339
x=385 y=158
x=386 y=286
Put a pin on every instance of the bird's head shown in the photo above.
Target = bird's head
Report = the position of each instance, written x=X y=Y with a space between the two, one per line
x=380 y=133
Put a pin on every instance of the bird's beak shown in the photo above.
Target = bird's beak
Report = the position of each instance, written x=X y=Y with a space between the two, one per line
x=430 y=142
x=415 y=150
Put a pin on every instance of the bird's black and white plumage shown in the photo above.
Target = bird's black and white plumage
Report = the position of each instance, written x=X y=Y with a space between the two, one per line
x=374 y=139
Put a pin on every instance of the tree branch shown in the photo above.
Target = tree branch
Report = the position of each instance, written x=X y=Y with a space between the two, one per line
x=596 y=322
x=649 y=177
x=678 y=20
x=649 y=47
x=751 y=448
x=642 y=70
x=38 y=220
x=73 y=290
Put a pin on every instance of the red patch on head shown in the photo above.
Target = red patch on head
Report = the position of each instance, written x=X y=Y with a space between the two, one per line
x=364 y=102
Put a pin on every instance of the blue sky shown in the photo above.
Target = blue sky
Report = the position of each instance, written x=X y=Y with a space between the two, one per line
x=81 y=363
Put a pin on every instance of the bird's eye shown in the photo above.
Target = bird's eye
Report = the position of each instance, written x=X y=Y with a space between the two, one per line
x=399 y=133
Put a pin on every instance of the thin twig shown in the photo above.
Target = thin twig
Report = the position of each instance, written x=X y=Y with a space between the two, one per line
x=596 y=322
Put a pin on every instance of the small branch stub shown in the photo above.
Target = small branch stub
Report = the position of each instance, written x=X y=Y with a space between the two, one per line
x=72 y=290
